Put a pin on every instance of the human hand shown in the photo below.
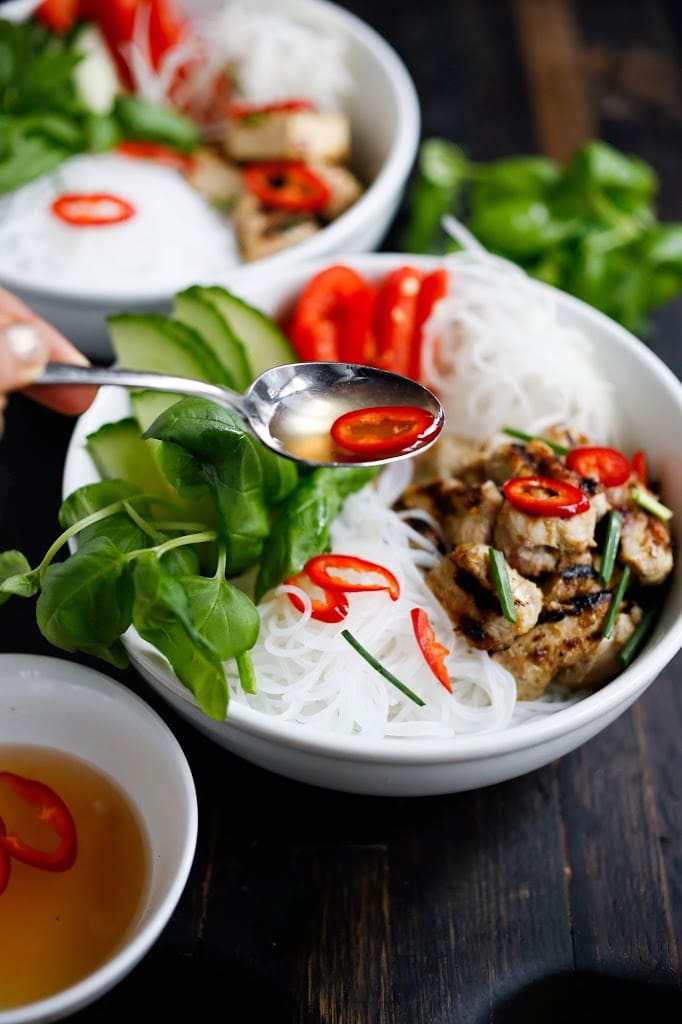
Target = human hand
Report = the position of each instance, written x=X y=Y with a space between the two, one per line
x=26 y=344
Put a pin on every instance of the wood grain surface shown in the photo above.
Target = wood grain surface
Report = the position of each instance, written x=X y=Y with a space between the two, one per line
x=546 y=898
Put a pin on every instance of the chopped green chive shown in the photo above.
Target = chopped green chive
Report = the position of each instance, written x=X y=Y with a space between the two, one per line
x=651 y=504
x=633 y=644
x=498 y=567
x=558 y=449
x=610 y=620
x=613 y=532
x=380 y=668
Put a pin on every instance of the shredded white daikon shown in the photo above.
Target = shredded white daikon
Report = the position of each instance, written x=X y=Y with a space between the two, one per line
x=174 y=239
x=498 y=354
x=308 y=673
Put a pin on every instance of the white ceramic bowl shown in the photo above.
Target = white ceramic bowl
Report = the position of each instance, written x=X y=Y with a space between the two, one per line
x=385 y=125
x=652 y=396
x=60 y=704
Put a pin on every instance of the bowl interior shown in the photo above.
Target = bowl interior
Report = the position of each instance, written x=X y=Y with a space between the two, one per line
x=58 y=704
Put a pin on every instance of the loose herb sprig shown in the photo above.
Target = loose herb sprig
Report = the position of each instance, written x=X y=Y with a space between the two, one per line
x=614 y=529
x=614 y=607
x=388 y=676
x=498 y=567
x=588 y=227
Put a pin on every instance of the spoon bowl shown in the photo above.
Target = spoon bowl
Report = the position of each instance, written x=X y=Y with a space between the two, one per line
x=290 y=408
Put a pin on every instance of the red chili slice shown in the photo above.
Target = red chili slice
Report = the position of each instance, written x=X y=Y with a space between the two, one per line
x=287 y=186
x=383 y=429
x=52 y=812
x=333 y=317
x=542 y=496
x=165 y=155
x=331 y=572
x=93 y=209
x=640 y=467
x=249 y=110
x=328 y=605
x=5 y=861
x=396 y=312
x=434 y=652
x=608 y=466
x=434 y=287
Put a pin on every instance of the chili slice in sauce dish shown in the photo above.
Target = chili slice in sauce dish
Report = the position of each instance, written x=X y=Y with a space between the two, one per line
x=92 y=209
x=287 y=185
x=50 y=811
x=383 y=429
x=608 y=466
x=542 y=496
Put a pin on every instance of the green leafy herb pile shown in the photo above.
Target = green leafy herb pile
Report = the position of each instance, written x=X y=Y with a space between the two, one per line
x=43 y=120
x=198 y=503
x=589 y=227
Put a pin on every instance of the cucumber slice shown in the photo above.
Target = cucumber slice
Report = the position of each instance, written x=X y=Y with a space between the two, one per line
x=203 y=316
x=119 y=451
x=264 y=343
x=155 y=342
x=95 y=76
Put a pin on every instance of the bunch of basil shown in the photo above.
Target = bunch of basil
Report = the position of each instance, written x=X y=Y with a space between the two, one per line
x=588 y=227
x=43 y=120
x=138 y=564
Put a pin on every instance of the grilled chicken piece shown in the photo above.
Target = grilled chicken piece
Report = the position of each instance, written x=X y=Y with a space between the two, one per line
x=567 y=645
x=538 y=544
x=345 y=189
x=262 y=231
x=289 y=135
x=217 y=180
x=463 y=584
x=645 y=546
x=466 y=514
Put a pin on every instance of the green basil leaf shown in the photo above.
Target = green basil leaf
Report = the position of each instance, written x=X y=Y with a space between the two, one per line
x=16 y=576
x=86 y=602
x=162 y=616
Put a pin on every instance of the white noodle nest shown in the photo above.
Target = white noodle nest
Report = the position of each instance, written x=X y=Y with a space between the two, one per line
x=174 y=236
x=498 y=354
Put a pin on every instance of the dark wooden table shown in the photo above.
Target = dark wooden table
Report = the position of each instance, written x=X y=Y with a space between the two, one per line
x=550 y=898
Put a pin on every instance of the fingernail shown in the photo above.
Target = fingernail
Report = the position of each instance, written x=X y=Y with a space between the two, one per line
x=28 y=347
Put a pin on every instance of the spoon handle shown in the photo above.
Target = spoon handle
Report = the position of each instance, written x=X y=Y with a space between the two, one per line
x=67 y=373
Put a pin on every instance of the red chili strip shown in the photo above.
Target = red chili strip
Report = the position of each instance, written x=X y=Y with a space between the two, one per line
x=640 y=467
x=249 y=110
x=52 y=812
x=328 y=605
x=287 y=186
x=608 y=466
x=331 y=572
x=93 y=209
x=434 y=652
x=542 y=496
x=159 y=154
x=383 y=429
x=5 y=861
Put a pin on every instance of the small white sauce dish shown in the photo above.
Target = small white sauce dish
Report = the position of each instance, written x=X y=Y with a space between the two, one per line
x=50 y=702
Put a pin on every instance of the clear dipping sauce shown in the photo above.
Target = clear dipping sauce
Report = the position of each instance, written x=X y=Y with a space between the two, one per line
x=306 y=426
x=57 y=927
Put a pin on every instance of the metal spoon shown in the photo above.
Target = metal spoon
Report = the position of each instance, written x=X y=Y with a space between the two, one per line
x=289 y=408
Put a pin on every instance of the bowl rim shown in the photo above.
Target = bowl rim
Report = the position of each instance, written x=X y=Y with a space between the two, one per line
x=462 y=747
x=101 y=980
x=384 y=188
